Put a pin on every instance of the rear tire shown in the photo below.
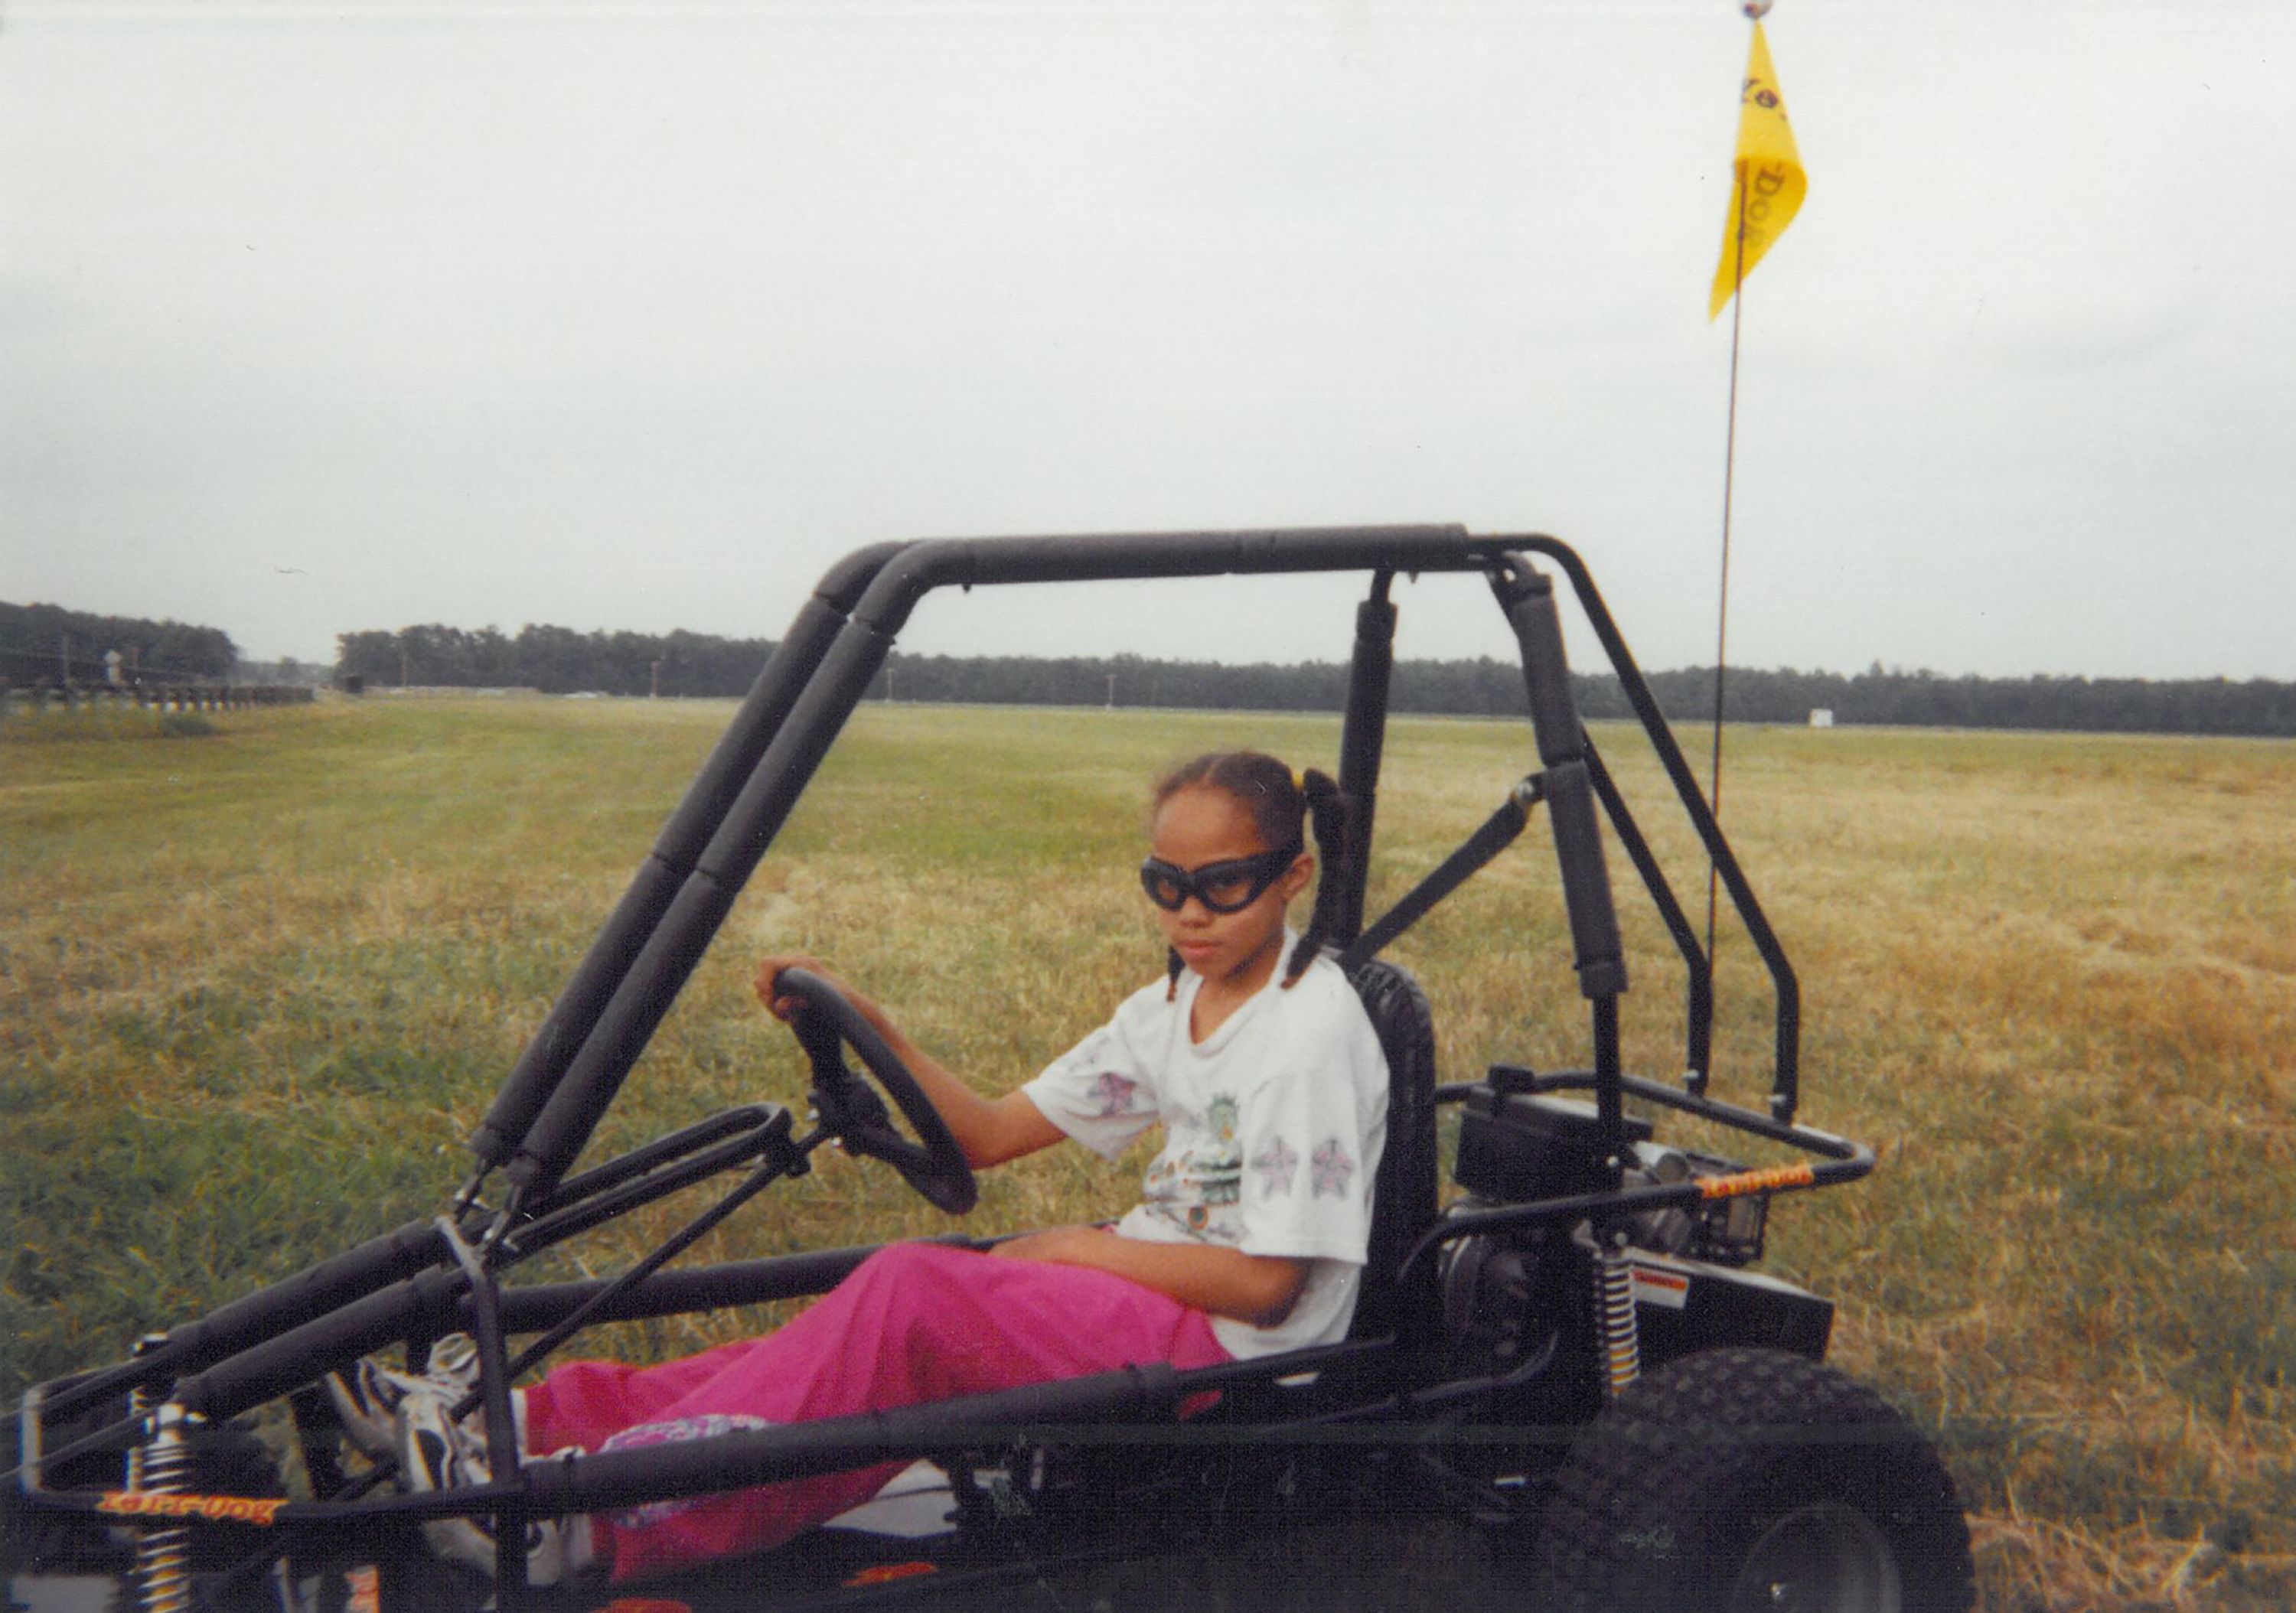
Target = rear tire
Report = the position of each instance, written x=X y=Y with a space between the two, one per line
x=1745 y=1480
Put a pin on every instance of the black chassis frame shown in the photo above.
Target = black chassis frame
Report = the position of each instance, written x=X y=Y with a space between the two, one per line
x=426 y=1277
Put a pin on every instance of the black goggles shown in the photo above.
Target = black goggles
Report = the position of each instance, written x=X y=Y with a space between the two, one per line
x=1221 y=887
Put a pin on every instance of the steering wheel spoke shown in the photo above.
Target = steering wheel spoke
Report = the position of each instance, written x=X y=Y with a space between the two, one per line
x=826 y=1026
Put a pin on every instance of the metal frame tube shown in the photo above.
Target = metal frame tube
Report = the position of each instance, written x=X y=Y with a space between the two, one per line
x=620 y=942
x=645 y=992
x=376 y=1264
x=1698 y=1007
x=1363 y=736
x=1785 y=1082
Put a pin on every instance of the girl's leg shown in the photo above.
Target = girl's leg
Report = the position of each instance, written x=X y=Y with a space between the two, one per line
x=916 y=1321
x=586 y=1403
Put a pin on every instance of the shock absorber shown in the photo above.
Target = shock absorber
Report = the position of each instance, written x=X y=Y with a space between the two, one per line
x=1615 y=1308
x=161 y=1466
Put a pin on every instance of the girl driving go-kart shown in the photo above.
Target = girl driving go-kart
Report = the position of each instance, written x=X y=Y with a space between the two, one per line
x=1256 y=1057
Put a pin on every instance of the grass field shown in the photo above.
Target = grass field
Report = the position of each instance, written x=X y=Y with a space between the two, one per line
x=255 y=988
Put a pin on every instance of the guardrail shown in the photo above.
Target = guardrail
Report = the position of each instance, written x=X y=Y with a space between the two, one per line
x=39 y=699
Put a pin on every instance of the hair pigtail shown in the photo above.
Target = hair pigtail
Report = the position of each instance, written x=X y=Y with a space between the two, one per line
x=1327 y=819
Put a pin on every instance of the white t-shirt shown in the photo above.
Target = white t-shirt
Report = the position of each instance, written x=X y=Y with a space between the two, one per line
x=1272 y=1130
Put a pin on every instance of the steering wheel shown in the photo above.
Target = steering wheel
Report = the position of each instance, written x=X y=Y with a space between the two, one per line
x=826 y=1026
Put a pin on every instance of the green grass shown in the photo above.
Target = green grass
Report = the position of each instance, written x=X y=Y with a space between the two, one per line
x=256 y=988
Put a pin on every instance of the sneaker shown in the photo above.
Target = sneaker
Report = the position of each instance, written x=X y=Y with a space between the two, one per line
x=366 y=1399
x=454 y=1359
x=436 y=1453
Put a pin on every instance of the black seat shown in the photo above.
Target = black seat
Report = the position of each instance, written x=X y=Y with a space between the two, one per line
x=1403 y=1200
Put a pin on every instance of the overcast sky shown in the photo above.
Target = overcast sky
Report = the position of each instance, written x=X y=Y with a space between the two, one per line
x=316 y=318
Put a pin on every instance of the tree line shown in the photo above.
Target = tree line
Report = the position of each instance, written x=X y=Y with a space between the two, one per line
x=1926 y=699
x=556 y=660
x=49 y=645
x=560 y=660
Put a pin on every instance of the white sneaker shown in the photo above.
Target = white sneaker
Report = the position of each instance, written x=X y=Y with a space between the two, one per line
x=366 y=1399
x=436 y=1453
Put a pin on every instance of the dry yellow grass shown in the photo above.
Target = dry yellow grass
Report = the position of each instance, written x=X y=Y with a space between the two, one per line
x=255 y=989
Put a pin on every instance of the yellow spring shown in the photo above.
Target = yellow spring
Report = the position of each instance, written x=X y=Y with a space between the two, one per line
x=1614 y=1295
x=163 y=1556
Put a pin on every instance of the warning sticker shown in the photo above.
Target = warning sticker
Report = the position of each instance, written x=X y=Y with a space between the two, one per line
x=1670 y=1289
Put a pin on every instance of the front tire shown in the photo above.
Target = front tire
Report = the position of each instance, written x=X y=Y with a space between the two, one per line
x=1745 y=1480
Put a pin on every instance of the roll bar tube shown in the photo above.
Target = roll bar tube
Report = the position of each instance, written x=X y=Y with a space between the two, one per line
x=1527 y=598
x=1785 y=1091
x=314 y=1292
x=1363 y=738
x=1698 y=1007
x=680 y=844
x=643 y=996
x=640 y=996
x=644 y=993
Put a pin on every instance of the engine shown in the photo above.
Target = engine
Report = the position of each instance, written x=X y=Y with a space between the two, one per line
x=1508 y=1295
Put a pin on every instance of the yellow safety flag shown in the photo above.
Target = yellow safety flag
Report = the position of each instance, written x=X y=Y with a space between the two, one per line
x=1768 y=187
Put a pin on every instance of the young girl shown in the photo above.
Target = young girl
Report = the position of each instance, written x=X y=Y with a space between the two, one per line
x=1254 y=1054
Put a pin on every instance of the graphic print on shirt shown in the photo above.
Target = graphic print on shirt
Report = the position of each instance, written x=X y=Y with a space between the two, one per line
x=1277 y=1164
x=1201 y=1175
x=1217 y=1168
x=1114 y=1095
x=1331 y=1169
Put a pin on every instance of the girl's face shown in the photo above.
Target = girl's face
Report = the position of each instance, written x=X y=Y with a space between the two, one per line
x=1200 y=825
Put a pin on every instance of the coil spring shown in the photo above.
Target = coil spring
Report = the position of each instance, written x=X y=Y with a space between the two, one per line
x=1614 y=1299
x=161 y=1466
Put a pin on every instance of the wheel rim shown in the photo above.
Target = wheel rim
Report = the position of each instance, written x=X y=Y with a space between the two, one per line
x=1826 y=1558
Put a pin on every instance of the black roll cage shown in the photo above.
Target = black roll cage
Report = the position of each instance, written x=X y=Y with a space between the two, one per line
x=426 y=1277
x=823 y=668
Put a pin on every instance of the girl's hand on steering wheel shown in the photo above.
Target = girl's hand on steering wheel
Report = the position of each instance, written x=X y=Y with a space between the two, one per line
x=768 y=982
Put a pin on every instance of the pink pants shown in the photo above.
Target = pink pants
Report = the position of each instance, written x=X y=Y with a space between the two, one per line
x=915 y=1321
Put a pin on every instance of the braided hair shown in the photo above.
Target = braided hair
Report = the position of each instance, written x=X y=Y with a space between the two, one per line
x=1280 y=808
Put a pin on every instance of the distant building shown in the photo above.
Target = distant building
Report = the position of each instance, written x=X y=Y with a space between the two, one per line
x=1821 y=717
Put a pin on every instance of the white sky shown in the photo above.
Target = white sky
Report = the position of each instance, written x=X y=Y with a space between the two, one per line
x=316 y=318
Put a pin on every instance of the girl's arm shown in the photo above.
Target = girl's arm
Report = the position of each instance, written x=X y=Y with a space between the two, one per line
x=989 y=1130
x=1258 y=1288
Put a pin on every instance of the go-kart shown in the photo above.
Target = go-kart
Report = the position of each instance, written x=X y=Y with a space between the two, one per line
x=1569 y=1358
